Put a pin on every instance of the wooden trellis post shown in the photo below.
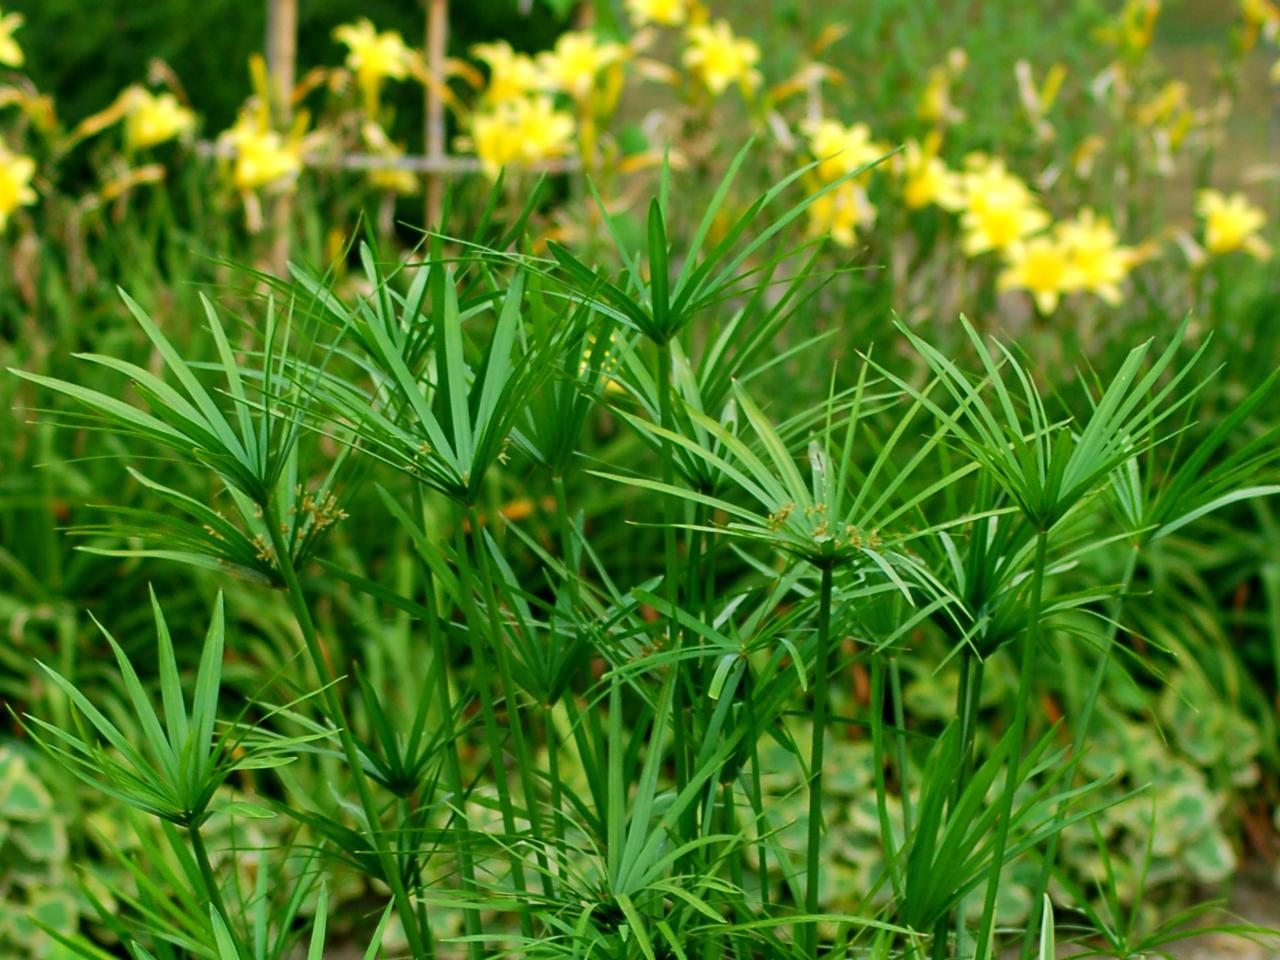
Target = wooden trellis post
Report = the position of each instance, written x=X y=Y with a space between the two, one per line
x=435 y=165
x=437 y=45
x=282 y=59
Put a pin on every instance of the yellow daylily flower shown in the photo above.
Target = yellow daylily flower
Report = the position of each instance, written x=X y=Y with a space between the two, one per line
x=519 y=132
x=666 y=13
x=717 y=58
x=1043 y=267
x=511 y=74
x=926 y=179
x=840 y=149
x=374 y=57
x=263 y=157
x=16 y=171
x=10 y=52
x=999 y=208
x=841 y=212
x=1001 y=222
x=577 y=60
x=1099 y=262
x=153 y=118
x=1232 y=223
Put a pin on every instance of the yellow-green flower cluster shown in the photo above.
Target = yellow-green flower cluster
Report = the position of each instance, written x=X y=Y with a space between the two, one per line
x=517 y=121
x=718 y=58
x=1002 y=215
x=1232 y=223
x=520 y=131
x=577 y=63
x=511 y=74
x=263 y=158
x=998 y=208
x=843 y=156
x=374 y=57
x=534 y=108
x=998 y=213
x=1083 y=254
x=151 y=119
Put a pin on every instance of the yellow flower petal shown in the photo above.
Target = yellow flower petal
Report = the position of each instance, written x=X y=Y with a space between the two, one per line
x=1231 y=223
x=16 y=172
x=717 y=58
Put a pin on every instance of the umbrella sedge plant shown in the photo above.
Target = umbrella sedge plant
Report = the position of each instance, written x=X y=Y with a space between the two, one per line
x=588 y=756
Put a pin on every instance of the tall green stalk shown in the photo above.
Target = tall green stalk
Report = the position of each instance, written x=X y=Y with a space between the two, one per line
x=452 y=764
x=882 y=790
x=968 y=701
x=493 y=733
x=506 y=678
x=1030 y=643
x=756 y=796
x=565 y=523
x=671 y=565
x=338 y=715
x=1077 y=744
x=206 y=870
x=821 y=681
x=900 y=739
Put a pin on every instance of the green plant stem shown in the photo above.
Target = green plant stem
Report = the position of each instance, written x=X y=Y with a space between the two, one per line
x=821 y=672
x=963 y=694
x=971 y=723
x=411 y=843
x=452 y=762
x=1030 y=643
x=900 y=738
x=680 y=733
x=729 y=810
x=338 y=715
x=493 y=733
x=963 y=717
x=737 y=876
x=696 y=605
x=506 y=678
x=565 y=523
x=206 y=870
x=882 y=790
x=940 y=939
x=1031 y=938
x=558 y=825
x=968 y=697
x=757 y=798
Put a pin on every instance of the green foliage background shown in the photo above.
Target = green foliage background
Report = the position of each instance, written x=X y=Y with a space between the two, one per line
x=1218 y=764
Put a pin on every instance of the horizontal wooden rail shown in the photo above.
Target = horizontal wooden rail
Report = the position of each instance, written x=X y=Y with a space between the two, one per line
x=414 y=163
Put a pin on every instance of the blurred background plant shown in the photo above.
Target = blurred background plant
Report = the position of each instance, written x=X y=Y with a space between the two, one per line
x=1075 y=176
